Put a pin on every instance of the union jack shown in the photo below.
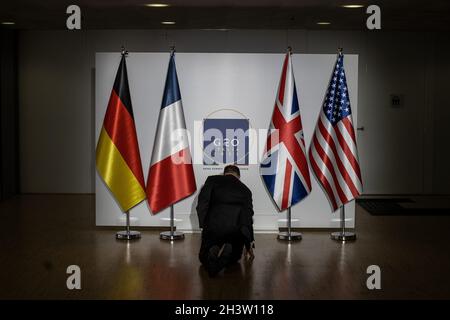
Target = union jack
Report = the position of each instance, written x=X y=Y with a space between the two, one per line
x=284 y=167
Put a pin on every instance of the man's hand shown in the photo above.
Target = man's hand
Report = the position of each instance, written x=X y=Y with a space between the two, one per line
x=249 y=254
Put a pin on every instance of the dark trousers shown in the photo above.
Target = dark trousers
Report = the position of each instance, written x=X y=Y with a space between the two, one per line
x=237 y=243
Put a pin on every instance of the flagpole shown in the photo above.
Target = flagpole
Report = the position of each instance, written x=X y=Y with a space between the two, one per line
x=128 y=234
x=289 y=235
x=172 y=234
x=343 y=235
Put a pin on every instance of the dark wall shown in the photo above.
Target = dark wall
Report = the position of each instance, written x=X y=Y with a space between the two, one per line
x=397 y=150
x=9 y=158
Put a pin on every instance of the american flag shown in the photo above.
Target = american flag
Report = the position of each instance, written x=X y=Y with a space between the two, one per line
x=332 y=154
x=284 y=167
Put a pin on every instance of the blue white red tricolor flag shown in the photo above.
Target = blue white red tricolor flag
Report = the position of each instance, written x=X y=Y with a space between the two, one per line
x=284 y=167
x=333 y=154
x=171 y=176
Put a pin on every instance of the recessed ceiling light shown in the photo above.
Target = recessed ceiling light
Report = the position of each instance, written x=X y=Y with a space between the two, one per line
x=168 y=22
x=157 y=5
x=8 y=23
x=353 y=6
x=214 y=29
x=324 y=23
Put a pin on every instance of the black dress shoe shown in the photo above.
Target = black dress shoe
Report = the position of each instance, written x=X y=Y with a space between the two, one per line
x=225 y=255
x=213 y=265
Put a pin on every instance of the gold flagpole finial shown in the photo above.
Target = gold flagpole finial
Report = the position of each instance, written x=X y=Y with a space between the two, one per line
x=123 y=51
x=289 y=49
x=340 y=49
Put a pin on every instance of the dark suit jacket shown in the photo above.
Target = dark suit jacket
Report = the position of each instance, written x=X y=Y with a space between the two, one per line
x=225 y=208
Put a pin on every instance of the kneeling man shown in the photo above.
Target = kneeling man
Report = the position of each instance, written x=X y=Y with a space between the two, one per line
x=225 y=213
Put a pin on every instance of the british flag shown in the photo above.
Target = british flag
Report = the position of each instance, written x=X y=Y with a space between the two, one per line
x=284 y=167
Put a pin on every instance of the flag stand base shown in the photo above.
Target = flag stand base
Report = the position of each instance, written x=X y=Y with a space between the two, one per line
x=289 y=236
x=343 y=236
x=128 y=235
x=171 y=235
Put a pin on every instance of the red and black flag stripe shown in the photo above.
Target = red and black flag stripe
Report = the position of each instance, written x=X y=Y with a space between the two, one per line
x=118 y=159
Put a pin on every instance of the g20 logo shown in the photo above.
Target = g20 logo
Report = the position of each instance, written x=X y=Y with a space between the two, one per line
x=225 y=141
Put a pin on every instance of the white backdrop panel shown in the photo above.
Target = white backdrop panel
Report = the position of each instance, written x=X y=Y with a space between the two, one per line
x=209 y=82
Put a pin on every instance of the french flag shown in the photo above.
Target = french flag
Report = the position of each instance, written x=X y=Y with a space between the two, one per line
x=171 y=175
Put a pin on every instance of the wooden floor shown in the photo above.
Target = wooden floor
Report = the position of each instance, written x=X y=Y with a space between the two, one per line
x=42 y=234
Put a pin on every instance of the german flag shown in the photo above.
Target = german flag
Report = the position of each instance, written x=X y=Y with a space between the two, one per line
x=117 y=156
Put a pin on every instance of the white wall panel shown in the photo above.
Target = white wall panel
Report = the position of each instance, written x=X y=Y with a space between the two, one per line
x=246 y=83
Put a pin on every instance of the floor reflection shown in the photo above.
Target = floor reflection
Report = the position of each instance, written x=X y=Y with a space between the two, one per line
x=57 y=231
x=234 y=282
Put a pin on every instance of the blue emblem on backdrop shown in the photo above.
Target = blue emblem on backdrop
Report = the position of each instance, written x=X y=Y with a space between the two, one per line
x=225 y=141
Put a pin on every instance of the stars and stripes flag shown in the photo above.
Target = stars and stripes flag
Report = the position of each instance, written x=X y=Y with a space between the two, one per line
x=117 y=155
x=284 y=167
x=332 y=154
x=171 y=175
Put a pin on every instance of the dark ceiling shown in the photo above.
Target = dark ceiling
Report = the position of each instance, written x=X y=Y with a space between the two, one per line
x=431 y=15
